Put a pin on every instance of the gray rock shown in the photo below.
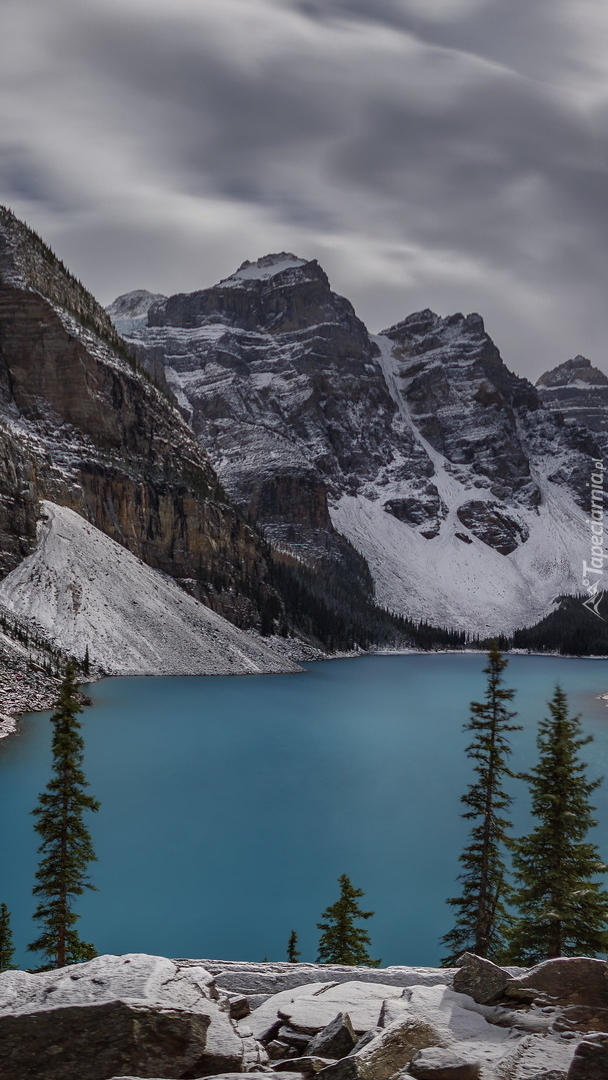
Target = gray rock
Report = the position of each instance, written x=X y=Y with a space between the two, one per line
x=386 y=1054
x=490 y=523
x=117 y=1013
x=550 y=1074
x=334 y=1041
x=230 y=1076
x=239 y=1008
x=479 y=978
x=369 y=1035
x=576 y=980
x=252 y=977
x=436 y=1063
x=101 y=1040
x=311 y=1012
x=590 y=1061
x=278 y=1050
x=297 y=1039
x=308 y=1066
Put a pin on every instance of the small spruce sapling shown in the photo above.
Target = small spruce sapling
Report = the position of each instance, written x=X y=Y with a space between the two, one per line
x=292 y=948
x=341 y=941
x=6 y=940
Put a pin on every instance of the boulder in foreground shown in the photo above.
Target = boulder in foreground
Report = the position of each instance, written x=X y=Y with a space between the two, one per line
x=117 y=1014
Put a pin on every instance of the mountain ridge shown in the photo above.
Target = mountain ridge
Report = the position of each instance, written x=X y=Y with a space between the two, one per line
x=417 y=445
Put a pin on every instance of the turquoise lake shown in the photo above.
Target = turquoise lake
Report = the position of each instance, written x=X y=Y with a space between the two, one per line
x=230 y=806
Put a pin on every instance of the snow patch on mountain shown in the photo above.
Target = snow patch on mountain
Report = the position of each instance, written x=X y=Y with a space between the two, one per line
x=130 y=310
x=455 y=579
x=81 y=588
x=266 y=267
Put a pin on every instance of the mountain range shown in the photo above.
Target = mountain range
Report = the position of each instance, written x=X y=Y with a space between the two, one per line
x=252 y=448
x=464 y=487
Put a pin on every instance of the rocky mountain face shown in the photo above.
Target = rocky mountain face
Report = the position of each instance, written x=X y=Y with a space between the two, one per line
x=462 y=488
x=277 y=376
x=580 y=392
x=81 y=426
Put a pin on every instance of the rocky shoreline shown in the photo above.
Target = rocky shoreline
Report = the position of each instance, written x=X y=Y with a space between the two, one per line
x=135 y=1016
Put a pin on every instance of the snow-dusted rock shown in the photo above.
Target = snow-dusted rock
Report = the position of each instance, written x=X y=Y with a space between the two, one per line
x=574 y=980
x=230 y=1076
x=310 y=1009
x=336 y=1040
x=437 y=1064
x=590 y=1061
x=307 y=1066
x=134 y=1012
x=82 y=588
x=135 y=977
x=537 y=1057
x=479 y=978
x=385 y=1055
x=252 y=978
x=580 y=392
x=114 y=1014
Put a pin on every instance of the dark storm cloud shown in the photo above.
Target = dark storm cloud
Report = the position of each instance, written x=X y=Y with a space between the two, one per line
x=449 y=153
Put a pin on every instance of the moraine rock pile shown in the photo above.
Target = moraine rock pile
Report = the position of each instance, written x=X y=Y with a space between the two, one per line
x=135 y=1016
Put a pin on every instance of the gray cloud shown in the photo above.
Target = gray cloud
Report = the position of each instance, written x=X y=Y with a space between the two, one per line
x=448 y=154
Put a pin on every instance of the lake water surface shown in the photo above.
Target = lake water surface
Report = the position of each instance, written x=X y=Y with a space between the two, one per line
x=230 y=806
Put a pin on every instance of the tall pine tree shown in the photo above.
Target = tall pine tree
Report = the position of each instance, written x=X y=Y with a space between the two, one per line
x=6 y=940
x=562 y=910
x=481 y=907
x=341 y=941
x=66 y=848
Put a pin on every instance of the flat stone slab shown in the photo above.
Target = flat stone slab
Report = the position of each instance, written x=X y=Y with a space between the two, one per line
x=135 y=977
x=227 y=1076
x=312 y=1012
x=272 y=978
x=436 y=1063
x=305 y=1066
x=575 y=980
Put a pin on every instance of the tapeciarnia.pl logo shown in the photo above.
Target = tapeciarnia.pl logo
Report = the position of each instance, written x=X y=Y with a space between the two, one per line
x=594 y=585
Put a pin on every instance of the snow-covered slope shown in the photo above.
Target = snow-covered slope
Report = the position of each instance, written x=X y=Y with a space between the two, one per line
x=455 y=578
x=83 y=589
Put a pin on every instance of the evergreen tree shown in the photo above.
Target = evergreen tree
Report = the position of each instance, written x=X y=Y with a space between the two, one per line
x=562 y=911
x=66 y=846
x=482 y=915
x=6 y=940
x=86 y=664
x=292 y=948
x=341 y=941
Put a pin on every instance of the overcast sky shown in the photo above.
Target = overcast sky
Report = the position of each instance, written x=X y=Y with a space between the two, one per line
x=449 y=154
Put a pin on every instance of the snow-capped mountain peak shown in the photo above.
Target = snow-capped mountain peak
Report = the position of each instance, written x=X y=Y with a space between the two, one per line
x=265 y=268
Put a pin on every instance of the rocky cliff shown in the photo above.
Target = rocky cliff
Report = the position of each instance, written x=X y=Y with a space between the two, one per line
x=579 y=392
x=464 y=490
x=83 y=426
